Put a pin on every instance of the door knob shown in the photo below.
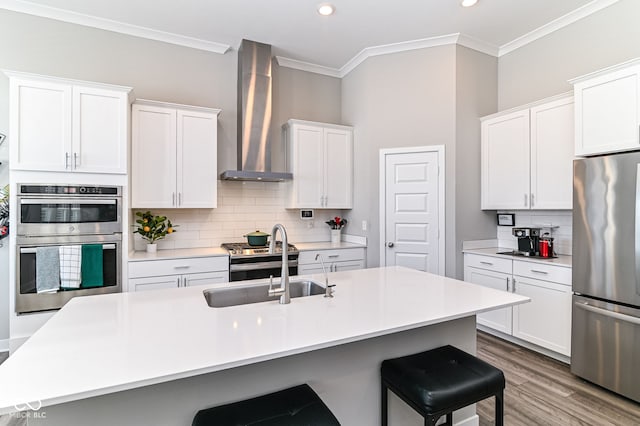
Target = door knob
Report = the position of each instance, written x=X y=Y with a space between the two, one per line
x=389 y=244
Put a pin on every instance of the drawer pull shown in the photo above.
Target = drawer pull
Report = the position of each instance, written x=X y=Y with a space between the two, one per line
x=486 y=263
x=333 y=256
x=182 y=267
x=535 y=271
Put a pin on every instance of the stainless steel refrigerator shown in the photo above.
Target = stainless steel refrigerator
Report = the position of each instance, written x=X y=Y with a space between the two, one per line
x=605 y=331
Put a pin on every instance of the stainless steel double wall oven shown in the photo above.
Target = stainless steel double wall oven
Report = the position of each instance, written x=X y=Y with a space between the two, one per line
x=66 y=215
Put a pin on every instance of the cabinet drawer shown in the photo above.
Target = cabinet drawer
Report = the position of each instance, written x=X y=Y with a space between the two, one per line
x=335 y=255
x=489 y=263
x=540 y=271
x=155 y=268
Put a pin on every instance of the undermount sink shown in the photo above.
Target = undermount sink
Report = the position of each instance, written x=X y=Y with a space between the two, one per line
x=256 y=293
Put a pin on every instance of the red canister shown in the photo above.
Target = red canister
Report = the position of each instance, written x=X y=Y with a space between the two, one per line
x=545 y=248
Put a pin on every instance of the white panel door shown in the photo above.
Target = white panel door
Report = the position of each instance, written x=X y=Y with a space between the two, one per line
x=546 y=320
x=412 y=209
x=206 y=278
x=308 y=151
x=607 y=112
x=197 y=159
x=99 y=142
x=153 y=169
x=338 y=155
x=498 y=319
x=552 y=148
x=40 y=125
x=505 y=162
x=154 y=283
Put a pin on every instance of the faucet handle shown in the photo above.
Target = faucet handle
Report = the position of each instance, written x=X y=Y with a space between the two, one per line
x=329 y=289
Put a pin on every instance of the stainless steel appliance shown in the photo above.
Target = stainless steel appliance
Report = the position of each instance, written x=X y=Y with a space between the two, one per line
x=528 y=240
x=252 y=262
x=66 y=215
x=605 y=334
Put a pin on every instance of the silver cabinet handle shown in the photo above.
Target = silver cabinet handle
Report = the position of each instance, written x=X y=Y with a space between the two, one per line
x=607 y=313
x=182 y=267
x=173 y=198
x=178 y=281
x=322 y=201
x=184 y=282
x=66 y=160
x=179 y=198
x=75 y=160
x=508 y=283
x=535 y=271
x=526 y=200
x=532 y=199
x=486 y=263
x=335 y=268
x=513 y=285
x=389 y=244
x=333 y=256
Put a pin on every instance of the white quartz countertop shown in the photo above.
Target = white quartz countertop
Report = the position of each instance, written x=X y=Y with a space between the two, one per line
x=97 y=345
x=561 y=260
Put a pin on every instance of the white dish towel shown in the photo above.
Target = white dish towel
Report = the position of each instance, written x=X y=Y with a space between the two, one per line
x=70 y=261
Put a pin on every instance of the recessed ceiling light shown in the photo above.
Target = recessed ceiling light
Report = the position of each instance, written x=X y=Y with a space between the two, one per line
x=469 y=3
x=326 y=9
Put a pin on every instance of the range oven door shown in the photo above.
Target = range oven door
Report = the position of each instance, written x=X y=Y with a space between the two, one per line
x=27 y=297
x=252 y=268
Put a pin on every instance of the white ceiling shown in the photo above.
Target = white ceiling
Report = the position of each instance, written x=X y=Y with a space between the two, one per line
x=297 y=32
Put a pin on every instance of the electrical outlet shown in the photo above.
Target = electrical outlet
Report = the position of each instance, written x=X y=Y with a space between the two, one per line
x=310 y=224
x=364 y=225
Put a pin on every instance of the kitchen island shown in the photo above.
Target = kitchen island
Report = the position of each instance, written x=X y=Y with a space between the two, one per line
x=158 y=357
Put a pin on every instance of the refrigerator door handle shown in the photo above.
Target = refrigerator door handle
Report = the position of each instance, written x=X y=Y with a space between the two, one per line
x=608 y=313
x=637 y=229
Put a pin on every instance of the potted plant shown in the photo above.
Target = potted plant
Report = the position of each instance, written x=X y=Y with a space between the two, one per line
x=336 y=224
x=153 y=228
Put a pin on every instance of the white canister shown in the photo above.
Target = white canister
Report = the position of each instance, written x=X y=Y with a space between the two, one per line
x=335 y=236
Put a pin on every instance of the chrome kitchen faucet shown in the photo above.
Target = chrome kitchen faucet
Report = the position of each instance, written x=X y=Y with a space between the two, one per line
x=328 y=289
x=283 y=290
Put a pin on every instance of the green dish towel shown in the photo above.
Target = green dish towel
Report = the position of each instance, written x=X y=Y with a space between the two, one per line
x=91 y=266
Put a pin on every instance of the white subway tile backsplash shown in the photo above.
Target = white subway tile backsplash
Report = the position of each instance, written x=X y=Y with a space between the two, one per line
x=557 y=222
x=242 y=207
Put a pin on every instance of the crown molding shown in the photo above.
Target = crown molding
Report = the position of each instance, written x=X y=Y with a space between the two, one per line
x=479 y=45
x=109 y=25
x=555 y=25
x=307 y=66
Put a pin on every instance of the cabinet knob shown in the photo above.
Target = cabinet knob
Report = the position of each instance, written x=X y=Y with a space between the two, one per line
x=389 y=244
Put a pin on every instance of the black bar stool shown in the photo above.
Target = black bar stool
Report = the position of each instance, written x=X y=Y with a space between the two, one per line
x=295 y=406
x=438 y=382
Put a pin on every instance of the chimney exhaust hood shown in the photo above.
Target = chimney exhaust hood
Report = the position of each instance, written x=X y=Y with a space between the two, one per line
x=254 y=116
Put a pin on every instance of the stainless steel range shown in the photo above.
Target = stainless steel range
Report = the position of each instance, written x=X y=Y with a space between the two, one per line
x=252 y=262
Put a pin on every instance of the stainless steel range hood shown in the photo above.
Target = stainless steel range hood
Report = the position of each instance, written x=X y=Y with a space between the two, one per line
x=254 y=115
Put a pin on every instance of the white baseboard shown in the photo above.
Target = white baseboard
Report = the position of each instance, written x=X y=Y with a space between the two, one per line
x=544 y=351
x=4 y=345
x=469 y=421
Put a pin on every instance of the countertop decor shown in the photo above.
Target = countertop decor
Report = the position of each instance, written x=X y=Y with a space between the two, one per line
x=153 y=228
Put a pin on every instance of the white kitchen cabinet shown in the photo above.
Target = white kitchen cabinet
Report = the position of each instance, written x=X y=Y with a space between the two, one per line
x=546 y=320
x=335 y=260
x=607 y=110
x=68 y=126
x=173 y=273
x=527 y=157
x=320 y=157
x=174 y=156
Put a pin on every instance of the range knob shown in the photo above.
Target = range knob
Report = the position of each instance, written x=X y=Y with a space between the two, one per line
x=83 y=190
x=72 y=228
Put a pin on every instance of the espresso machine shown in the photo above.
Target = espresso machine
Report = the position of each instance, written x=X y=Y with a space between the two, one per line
x=528 y=241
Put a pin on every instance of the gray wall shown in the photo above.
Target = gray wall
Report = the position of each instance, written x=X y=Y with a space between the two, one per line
x=542 y=68
x=399 y=100
x=476 y=96
x=156 y=71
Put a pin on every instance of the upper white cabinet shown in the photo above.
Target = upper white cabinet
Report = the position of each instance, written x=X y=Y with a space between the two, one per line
x=320 y=156
x=607 y=110
x=67 y=125
x=527 y=157
x=174 y=156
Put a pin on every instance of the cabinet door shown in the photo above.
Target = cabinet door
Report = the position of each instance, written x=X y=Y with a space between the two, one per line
x=338 y=158
x=505 y=161
x=197 y=160
x=99 y=138
x=307 y=151
x=607 y=112
x=552 y=148
x=154 y=283
x=499 y=319
x=206 y=278
x=153 y=168
x=40 y=125
x=546 y=320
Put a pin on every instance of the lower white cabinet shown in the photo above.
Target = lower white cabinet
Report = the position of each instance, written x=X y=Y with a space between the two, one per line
x=546 y=320
x=335 y=260
x=172 y=273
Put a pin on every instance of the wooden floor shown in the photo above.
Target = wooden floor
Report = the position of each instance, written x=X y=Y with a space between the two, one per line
x=542 y=391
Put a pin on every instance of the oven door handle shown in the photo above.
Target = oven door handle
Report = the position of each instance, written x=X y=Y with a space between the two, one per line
x=27 y=250
x=66 y=201
x=259 y=265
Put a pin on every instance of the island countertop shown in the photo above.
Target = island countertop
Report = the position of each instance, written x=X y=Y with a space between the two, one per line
x=102 y=344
